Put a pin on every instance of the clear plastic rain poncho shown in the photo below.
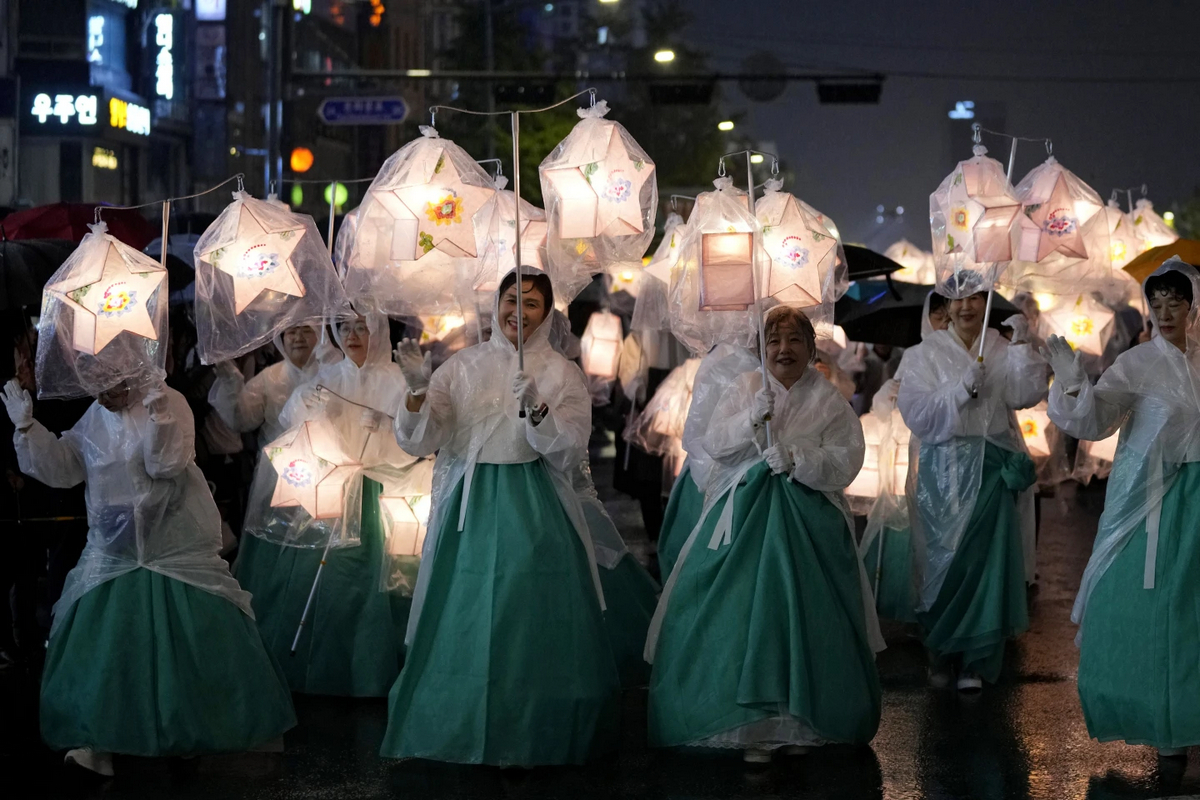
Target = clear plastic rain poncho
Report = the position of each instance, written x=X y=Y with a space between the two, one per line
x=1150 y=394
x=807 y=264
x=1060 y=240
x=713 y=286
x=260 y=269
x=344 y=242
x=1095 y=459
x=103 y=320
x=470 y=416
x=658 y=428
x=1152 y=230
x=814 y=420
x=953 y=429
x=970 y=216
x=416 y=235
x=889 y=511
x=148 y=503
x=600 y=189
x=651 y=310
x=916 y=265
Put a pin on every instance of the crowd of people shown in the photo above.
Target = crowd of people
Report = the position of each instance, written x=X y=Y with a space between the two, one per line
x=507 y=637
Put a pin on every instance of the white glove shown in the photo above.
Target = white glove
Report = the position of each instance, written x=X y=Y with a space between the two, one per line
x=525 y=389
x=370 y=419
x=416 y=367
x=779 y=459
x=1020 y=327
x=764 y=406
x=19 y=405
x=313 y=398
x=972 y=379
x=1065 y=363
x=155 y=400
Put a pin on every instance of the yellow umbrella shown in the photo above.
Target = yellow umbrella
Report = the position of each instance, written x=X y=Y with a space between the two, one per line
x=1187 y=249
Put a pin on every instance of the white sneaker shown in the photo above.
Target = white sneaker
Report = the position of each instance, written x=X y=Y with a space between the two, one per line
x=85 y=757
x=754 y=755
x=1172 y=752
x=969 y=682
x=796 y=750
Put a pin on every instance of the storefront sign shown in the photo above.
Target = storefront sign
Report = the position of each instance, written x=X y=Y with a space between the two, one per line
x=63 y=109
x=164 y=62
x=103 y=158
x=127 y=116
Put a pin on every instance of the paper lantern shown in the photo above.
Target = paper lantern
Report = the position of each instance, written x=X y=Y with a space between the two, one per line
x=1085 y=324
x=803 y=252
x=313 y=469
x=865 y=487
x=416 y=232
x=259 y=259
x=916 y=265
x=601 y=345
x=650 y=311
x=658 y=428
x=111 y=289
x=601 y=195
x=437 y=328
x=1152 y=230
x=404 y=520
x=971 y=215
x=1033 y=424
x=496 y=241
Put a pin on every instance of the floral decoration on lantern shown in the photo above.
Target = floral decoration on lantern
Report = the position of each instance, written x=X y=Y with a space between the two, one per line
x=601 y=345
x=1152 y=230
x=971 y=215
x=1085 y=323
x=601 y=195
x=916 y=265
x=803 y=251
x=314 y=469
x=416 y=230
x=1034 y=424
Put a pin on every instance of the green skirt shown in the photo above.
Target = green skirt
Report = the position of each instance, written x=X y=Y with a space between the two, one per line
x=1139 y=661
x=631 y=596
x=510 y=663
x=683 y=512
x=982 y=601
x=769 y=626
x=896 y=596
x=147 y=665
x=353 y=642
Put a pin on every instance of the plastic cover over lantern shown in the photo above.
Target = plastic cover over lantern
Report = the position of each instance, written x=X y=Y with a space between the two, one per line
x=1152 y=229
x=1046 y=445
x=103 y=319
x=1123 y=241
x=314 y=469
x=601 y=194
x=1060 y=240
x=496 y=244
x=601 y=345
x=1086 y=324
x=712 y=294
x=863 y=490
x=404 y=504
x=650 y=311
x=916 y=265
x=971 y=215
x=416 y=231
x=658 y=428
x=260 y=269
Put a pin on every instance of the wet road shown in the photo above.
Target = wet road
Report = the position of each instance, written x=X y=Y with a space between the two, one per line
x=1022 y=738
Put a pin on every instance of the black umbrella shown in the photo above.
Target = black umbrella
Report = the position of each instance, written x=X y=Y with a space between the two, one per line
x=862 y=262
x=26 y=265
x=883 y=311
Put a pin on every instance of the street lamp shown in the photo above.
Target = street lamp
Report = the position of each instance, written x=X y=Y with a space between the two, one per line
x=727 y=125
x=664 y=56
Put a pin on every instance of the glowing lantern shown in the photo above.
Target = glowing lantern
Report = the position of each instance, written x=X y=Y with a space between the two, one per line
x=658 y=428
x=970 y=216
x=404 y=521
x=1151 y=228
x=417 y=228
x=1033 y=424
x=601 y=345
x=111 y=289
x=313 y=469
x=496 y=242
x=863 y=490
x=803 y=251
x=437 y=328
x=650 y=310
x=1123 y=241
x=601 y=195
x=916 y=265
x=1084 y=323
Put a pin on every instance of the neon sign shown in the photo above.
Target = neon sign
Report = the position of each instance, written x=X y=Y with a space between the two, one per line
x=164 y=64
x=127 y=116
x=83 y=107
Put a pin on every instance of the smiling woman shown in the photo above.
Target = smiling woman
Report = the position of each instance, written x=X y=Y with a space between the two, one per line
x=791 y=344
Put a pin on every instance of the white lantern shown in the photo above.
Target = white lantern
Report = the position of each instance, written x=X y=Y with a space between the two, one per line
x=804 y=252
x=496 y=240
x=404 y=521
x=601 y=345
x=1033 y=424
x=916 y=265
x=1123 y=241
x=1105 y=449
x=313 y=468
x=1085 y=324
x=1151 y=228
x=601 y=196
x=863 y=490
x=650 y=310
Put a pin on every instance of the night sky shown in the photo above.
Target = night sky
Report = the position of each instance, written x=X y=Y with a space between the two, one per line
x=849 y=159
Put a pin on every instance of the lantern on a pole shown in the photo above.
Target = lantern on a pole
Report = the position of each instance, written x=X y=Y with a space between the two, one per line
x=1034 y=425
x=496 y=238
x=601 y=345
x=916 y=265
x=1151 y=228
x=1123 y=241
x=313 y=468
x=1085 y=324
x=650 y=310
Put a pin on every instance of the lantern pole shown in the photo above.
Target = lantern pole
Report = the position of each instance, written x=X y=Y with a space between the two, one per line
x=516 y=137
x=758 y=312
x=311 y=594
x=332 y=206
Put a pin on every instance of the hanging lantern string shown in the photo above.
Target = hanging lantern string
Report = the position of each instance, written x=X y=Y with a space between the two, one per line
x=977 y=129
x=1129 y=190
x=237 y=178
x=434 y=109
x=323 y=388
x=327 y=180
x=499 y=165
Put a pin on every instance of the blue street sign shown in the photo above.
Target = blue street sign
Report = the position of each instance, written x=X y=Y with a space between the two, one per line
x=363 y=110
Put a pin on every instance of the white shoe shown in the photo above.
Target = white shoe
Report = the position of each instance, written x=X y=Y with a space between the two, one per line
x=969 y=682
x=1172 y=752
x=796 y=750
x=85 y=757
x=756 y=756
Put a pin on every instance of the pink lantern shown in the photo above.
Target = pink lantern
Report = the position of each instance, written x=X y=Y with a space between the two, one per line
x=404 y=521
x=804 y=251
x=601 y=196
x=1152 y=229
x=916 y=264
x=313 y=469
x=1085 y=324
x=601 y=345
x=496 y=241
x=970 y=216
x=1034 y=424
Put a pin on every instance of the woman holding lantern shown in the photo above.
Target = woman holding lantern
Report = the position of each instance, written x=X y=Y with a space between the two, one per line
x=970 y=470
x=1138 y=637
x=766 y=633
x=352 y=643
x=508 y=660
x=151 y=627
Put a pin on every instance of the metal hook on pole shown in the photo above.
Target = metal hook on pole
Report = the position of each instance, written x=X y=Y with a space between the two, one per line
x=433 y=117
x=721 y=167
x=271 y=190
x=241 y=184
x=1049 y=148
x=592 y=93
x=976 y=133
x=774 y=166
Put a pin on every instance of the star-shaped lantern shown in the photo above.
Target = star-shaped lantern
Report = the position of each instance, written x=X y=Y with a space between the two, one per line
x=313 y=469
x=1123 y=241
x=1034 y=424
x=259 y=260
x=803 y=251
x=1152 y=229
x=1056 y=205
x=496 y=240
x=110 y=289
x=405 y=519
x=1083 y=322
x=916 y=265
x=601 y=194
